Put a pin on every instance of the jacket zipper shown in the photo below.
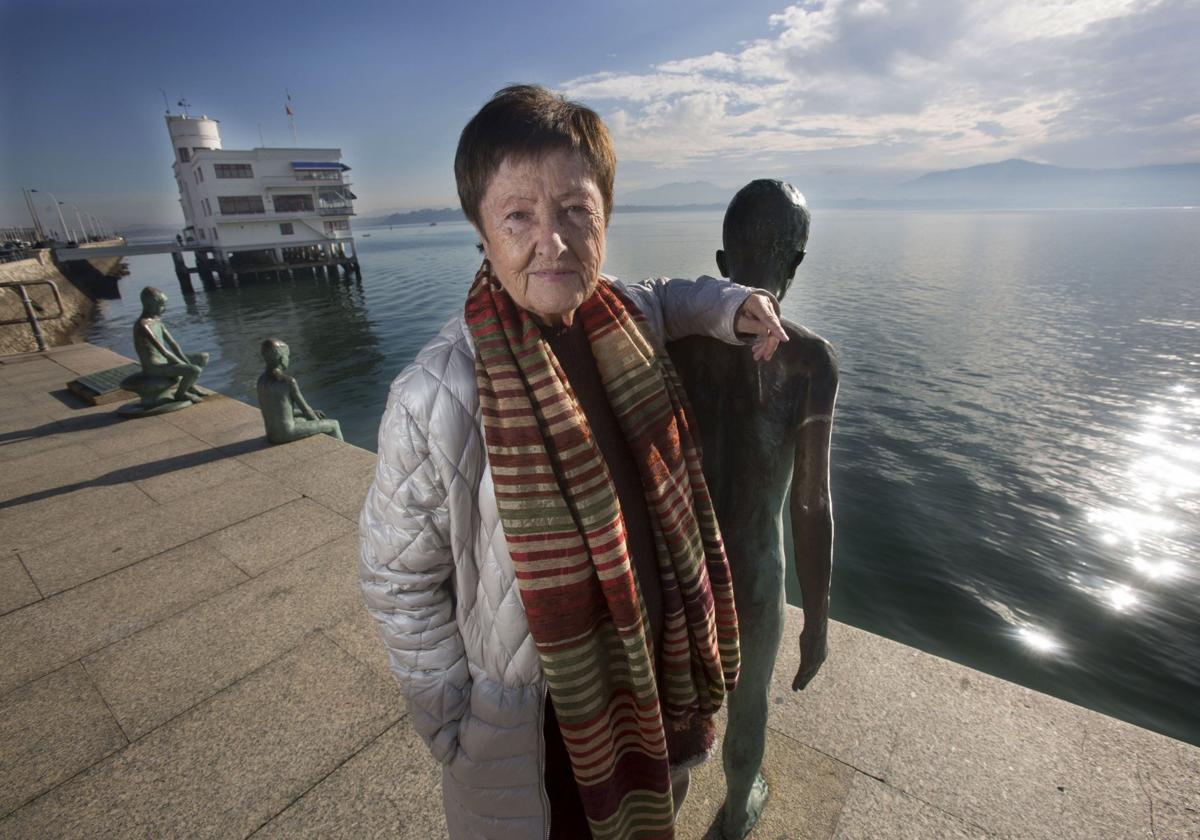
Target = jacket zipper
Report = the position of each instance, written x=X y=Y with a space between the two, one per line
x=542 y=762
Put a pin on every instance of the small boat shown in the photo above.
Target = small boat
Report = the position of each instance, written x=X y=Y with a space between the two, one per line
x=433 y=224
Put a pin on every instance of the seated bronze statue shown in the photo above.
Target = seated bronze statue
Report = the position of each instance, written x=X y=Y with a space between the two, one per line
x=168 y=376
x=286 y=415
x=765 y=430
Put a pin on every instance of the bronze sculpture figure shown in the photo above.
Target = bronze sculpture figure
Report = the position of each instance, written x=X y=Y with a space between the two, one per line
x=286 y=414
x=165 y=367
x=765 y=430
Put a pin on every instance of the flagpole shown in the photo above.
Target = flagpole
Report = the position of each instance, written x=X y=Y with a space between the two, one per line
x=291 y=116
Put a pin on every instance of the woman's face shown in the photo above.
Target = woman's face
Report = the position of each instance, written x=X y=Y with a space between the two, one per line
x=543 y=232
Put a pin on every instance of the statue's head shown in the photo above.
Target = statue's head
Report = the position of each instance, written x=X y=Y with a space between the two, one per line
x=275 y=353
x=765 y=233
x=154 y=301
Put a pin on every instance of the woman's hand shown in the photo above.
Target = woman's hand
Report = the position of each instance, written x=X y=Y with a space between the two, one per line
x=757 y=316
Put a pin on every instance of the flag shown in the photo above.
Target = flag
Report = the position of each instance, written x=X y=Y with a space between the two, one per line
x=287 y=106
x=287 y=109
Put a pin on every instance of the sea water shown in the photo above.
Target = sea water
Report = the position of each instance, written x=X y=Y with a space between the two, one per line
x=1016 y=455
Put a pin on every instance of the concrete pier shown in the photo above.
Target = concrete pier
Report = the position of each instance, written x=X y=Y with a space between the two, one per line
x=184 y=653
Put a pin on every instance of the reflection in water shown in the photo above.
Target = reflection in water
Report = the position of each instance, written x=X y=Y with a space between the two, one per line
x=1039 y=640
x=1160 y=485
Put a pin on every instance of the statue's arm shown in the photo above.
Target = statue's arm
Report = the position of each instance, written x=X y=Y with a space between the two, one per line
x=812 y=510
x=170 y=339
x=302 y=408
x=148 y=335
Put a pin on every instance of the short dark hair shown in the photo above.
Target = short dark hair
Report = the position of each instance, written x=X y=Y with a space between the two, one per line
x=523 y=121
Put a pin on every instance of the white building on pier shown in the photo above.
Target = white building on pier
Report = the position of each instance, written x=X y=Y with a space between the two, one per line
x=258 y=203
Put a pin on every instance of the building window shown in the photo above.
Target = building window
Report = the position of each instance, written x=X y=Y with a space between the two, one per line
x=285 y=228
x=318 y=175
x=232 y=204
x=215 y=237
x=336 y=225
x=206 y=207
x=185 y=154
x=233 y=170
x=293 y=204
x=200 y=172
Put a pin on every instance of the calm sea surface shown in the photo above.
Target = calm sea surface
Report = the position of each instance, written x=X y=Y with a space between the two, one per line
x=1016 y=466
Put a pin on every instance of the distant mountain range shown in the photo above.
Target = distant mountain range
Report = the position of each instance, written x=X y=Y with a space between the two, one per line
x=1022 y=183
x=1010 y=184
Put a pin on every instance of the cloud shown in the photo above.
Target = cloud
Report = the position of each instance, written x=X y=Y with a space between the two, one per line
x=924 y=84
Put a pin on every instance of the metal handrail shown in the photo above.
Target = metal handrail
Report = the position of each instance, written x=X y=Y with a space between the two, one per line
x=30 y=315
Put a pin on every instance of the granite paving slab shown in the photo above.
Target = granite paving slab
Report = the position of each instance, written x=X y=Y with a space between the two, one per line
x=99 y=468
x=237 y=434
x=169 y=667
x=208 y=472
x=16 y=586
x=53 y=515
x=44 y=636
x=851 y=709
x=267 y=457
x=228 y=766
x=283 y=533
x=72 y=560
x=49 y=731
x=124 y=435
x=339 y=480
x=18 y=471
x=30 y=371
x=21 y=438
x=1124 y=781
x=874 y=811
x=391 y=790
x=358 y=635
x=215 y=413
x=997 y=755
x=23 y=424
x=807 y=792
x=82 y=359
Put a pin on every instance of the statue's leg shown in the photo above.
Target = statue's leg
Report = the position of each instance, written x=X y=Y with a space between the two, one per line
x=333 y=428
x=186 y=381
x=186 y=374
x=760 y=605
x=301 y=429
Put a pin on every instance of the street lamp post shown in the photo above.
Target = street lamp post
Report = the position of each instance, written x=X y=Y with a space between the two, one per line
x=37 y=223
x=64 y=230
x=66 y=227
x=83 y=234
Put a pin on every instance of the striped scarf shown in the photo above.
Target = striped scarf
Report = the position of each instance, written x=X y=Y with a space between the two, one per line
x=567 y=539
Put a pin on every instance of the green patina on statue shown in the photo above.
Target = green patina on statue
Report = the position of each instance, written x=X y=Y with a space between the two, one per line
x=286 y=415
x=168 y=376
x=765 y=430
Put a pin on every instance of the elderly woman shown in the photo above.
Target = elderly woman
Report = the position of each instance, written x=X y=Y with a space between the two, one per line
x=538 y=545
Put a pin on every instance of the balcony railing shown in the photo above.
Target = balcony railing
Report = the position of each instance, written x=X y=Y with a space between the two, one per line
x=346 y=209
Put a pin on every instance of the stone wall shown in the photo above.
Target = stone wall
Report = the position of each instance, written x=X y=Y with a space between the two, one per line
x=77 y=305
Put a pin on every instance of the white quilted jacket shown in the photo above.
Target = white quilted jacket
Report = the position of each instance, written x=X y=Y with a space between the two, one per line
x=437 y=575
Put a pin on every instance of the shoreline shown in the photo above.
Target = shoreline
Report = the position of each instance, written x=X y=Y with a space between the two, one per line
x=80 y=285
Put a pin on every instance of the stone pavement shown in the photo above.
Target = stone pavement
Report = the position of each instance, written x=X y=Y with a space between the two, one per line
x=183 y=653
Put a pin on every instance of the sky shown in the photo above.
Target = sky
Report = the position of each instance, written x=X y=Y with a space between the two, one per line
x=849 y=93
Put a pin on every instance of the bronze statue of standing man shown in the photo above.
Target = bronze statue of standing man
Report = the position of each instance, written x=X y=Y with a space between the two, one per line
x=765 y=430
